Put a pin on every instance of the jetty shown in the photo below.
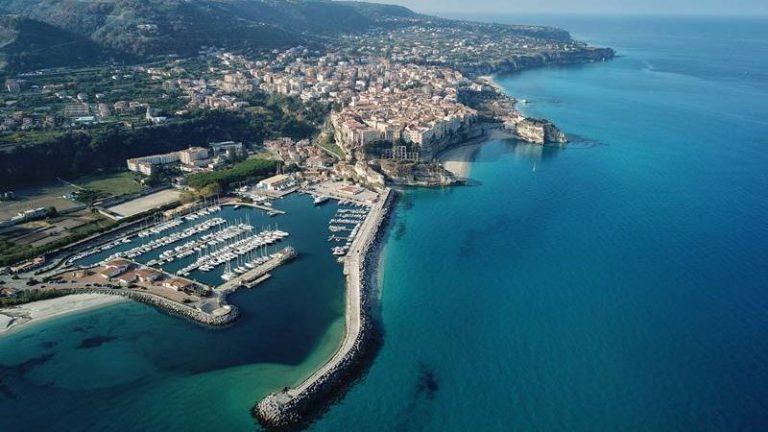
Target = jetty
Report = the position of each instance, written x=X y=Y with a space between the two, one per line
x=293 y=406
x=220 y=316
x=256 y=206
x=258 y=274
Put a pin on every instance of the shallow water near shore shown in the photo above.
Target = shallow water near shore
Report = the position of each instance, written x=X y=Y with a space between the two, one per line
x=619 y=286
x=131 y=367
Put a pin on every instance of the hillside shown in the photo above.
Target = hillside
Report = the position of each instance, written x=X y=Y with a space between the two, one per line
x=181 y=27
x=75 y=32
x=27 y=44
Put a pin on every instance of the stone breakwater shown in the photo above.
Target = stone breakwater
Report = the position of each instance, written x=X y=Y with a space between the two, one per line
x=165 y=305
x=294 y=407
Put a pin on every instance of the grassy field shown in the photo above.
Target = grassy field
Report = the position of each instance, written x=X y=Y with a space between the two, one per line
x=332 y=147
x=265 y=154
x=116 y=184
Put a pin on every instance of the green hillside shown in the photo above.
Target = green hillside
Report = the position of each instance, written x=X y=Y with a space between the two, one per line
x=26 y=44
x=181 y=27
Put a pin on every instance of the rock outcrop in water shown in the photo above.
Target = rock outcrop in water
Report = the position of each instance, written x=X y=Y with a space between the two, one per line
x=537 y=131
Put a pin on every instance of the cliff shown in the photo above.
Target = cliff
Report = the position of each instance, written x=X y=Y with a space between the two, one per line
x=537 y=131
x=522 y=62
x=408 y=173
x=429 y=150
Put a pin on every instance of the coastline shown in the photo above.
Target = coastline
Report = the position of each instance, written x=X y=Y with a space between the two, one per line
x=295 y=406
x=19 y=317
x=491 y=81
x=458 y=159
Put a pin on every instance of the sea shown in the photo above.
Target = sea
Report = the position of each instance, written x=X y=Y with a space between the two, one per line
x=619 y=282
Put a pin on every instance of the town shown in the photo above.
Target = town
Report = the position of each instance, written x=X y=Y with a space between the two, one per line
x=377 y=109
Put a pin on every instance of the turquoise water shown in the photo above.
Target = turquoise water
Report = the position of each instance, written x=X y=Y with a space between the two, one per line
x=131 y=368
x=619 y=286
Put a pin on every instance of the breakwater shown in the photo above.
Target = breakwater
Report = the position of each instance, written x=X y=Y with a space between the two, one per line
x=228 y=313
x=294 y=407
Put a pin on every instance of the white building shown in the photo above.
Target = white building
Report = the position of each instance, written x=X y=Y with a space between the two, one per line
x=146 y=164
x=276 y=183
x=193 y=155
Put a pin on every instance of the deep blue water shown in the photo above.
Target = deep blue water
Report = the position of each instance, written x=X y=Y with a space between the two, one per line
x=619 y=286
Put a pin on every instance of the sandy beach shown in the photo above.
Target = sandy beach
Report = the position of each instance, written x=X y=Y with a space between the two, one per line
x=458 y=160
x=20 y=316
x=491 y=81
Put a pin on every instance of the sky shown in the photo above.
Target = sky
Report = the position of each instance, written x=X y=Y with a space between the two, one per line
x=664 y=7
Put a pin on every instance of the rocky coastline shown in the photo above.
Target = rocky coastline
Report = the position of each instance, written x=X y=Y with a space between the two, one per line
x=167 y=306
x=520 y=63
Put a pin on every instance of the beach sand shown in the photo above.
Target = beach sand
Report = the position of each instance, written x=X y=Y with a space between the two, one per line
x=20 y=316
x=458 y=160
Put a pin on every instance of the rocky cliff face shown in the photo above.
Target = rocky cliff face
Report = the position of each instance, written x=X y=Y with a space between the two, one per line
x=466 y=133
x=416 y=173
x=523 y=62
x=538 y=131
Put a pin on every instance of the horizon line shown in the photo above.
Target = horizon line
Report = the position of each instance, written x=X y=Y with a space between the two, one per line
x=757 y=15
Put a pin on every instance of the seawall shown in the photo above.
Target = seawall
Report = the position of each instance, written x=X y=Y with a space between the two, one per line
x=293 y=407
x=165 y=305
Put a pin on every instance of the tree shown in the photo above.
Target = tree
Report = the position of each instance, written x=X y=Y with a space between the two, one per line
x=154 y=178
x=210 y=190
x=52 y=212
x=187 y=198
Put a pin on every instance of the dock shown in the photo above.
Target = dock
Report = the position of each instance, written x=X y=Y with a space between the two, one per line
x=292 y=406
x=257 y=275
x=256 y=206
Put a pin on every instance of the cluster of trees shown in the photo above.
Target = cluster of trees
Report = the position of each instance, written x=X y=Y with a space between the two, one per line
x=29 y=296
x=246 y=170
x=76 y=153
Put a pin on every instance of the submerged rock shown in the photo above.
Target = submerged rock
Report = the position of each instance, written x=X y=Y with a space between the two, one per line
x=427 y=383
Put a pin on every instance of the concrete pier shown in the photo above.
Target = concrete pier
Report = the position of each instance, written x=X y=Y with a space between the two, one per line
x=254 y=205
x=294 y=406
x=256 y=273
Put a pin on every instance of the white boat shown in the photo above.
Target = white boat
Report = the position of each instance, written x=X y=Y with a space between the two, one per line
x=228 y=273
x=321 y=199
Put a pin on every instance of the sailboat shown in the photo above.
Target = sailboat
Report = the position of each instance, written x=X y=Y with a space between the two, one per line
x=228 y=273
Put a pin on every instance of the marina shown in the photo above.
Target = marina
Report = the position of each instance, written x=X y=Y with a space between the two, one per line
x=218 y=243
x=344 y=227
